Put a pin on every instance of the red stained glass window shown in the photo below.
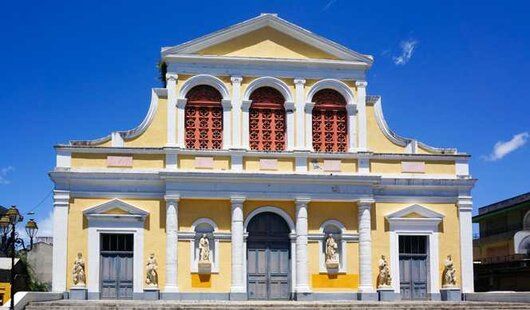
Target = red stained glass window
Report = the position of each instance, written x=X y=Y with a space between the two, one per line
x=330 y=122
x=267 y=120
x=203 y=118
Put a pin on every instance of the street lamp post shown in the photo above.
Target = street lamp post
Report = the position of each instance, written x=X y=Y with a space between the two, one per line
x=10 y=240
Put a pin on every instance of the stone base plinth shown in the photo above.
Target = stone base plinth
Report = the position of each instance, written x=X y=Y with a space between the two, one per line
x=78 y=293
x=386 y=294
x=204 y=267
x=450 y=294
x=151 y=294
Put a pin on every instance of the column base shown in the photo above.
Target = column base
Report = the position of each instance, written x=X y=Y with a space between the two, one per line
x=366 y=296
x=303 y=296
x=171 y=289
x=78 y=293
x=238 y=296
x=451 y=294
x=386 y=294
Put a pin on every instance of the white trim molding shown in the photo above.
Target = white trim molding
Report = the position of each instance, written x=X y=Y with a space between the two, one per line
x=156 y=94
x=171 y=86
x=376 y=101
x=520 y=238
x=427 y=225
x=362 y=139
x=100 y=222
x=279 y=24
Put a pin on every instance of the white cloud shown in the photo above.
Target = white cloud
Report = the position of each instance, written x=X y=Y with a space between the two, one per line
x=46 y=226
x=328 y=5
x=3 y=174
x=503 y=148
x=407 y=49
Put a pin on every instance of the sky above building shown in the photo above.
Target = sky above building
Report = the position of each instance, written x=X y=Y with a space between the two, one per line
x=451 y=74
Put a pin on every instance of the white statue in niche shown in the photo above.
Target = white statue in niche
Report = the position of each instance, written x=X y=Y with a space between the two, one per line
x=332 y=256
x=151 y=273
x=204 y=249
x=448 y=275
x=78 y=272
x=384 y=279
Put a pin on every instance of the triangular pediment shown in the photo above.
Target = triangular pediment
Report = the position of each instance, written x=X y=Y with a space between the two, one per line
x=415 y=211
x=267 y=36
x=115 y=207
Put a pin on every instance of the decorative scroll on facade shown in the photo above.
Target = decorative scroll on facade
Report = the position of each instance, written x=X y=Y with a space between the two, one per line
x=267 y=120
x=204 y=118
x=330 y=133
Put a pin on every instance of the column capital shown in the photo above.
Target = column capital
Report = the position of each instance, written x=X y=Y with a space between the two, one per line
x=237 y=200
x=465 y=203
x=366 y=202
x=298 y=81
x=302 y=201
x=172 y=198
x=61 y=198
x=171 y=77
x=236 y=79
x=362 y=84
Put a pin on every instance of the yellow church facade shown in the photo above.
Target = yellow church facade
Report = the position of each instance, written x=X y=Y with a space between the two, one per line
x=263 y=170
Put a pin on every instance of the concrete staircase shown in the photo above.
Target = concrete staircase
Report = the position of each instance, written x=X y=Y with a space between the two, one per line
x=266 y=305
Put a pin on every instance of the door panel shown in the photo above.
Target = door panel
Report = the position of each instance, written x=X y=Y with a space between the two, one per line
x=268 y=258
x=116 y=266
x=413 y=267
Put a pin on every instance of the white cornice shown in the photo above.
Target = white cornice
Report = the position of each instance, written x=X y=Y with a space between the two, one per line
x=283 y=154
x=272 y=21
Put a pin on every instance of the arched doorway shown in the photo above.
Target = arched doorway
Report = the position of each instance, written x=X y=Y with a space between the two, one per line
x=268 y=257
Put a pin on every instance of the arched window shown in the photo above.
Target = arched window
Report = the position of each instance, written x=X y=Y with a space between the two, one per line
x=330 y=127
x=267 y=120
x=203 y=118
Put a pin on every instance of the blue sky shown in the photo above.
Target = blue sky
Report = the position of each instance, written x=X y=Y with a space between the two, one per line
x=451 y=73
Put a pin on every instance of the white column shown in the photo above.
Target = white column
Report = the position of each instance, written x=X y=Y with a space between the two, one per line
x=238 y=283
x=236 y=108
x=245 y=129
x=352 y=128
x=300 y=114
x=308 y=115
x=302 y=269
x=290 y=110
x=361 y=107
x=181 y=129
x=171 y=85
x=465 y=207
x=61 y=202
x=172 y=228
x=365 y=246
x=227 y=123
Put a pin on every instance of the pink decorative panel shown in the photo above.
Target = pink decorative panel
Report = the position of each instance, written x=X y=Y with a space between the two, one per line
x=268 y=164
x=119 y=161
x=331 y=165
x=204 y=162
x=412 y=167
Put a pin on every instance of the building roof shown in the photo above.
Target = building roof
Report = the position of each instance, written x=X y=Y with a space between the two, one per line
x=502 y=206
x=275 y=22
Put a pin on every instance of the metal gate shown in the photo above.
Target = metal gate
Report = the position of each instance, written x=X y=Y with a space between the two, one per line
x=268 y=258
x=413 y=267
x=116 y=266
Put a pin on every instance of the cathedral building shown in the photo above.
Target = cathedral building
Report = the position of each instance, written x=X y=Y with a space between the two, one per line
x=263 y=170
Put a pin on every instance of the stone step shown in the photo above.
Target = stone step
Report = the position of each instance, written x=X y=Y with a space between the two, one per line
x=267 y=305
